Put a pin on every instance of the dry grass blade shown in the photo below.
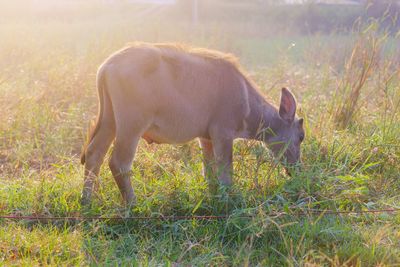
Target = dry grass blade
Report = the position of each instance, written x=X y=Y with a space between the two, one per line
x=362 y=63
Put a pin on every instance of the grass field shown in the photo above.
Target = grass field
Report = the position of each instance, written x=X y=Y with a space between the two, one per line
x=348 y=87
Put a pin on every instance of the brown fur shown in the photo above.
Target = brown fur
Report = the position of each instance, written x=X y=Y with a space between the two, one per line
x=170 y=51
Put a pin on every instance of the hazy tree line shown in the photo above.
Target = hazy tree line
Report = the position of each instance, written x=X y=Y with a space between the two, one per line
x=310 y=17
x=326 y=18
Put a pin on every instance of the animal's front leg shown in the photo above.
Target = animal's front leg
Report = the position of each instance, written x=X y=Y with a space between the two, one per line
x=208 y=157
x=223 y=157
x=208 y=163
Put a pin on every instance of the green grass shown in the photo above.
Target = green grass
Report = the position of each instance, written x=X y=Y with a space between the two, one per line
x=47 y=95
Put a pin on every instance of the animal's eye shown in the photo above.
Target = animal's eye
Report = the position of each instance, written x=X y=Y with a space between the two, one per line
x=301 y=137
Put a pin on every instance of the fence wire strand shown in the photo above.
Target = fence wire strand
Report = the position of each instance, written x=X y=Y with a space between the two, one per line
x=302 y=213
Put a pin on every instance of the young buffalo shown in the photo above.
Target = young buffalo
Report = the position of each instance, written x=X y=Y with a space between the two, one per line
x=168 y=93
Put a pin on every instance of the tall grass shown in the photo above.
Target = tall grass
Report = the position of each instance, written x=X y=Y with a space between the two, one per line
x=359 y=68
x=366 y=62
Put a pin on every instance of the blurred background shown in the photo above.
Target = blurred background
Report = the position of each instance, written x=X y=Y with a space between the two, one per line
x=235 y=26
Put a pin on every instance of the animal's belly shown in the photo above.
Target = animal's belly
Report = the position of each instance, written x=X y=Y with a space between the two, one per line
x=178 y=122
x=171 y=134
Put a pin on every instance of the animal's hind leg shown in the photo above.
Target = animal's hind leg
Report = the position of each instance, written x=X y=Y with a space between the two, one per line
x=121 y=164
x=94 y=156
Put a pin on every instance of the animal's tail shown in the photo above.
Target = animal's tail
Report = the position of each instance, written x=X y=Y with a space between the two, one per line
x=95 y=125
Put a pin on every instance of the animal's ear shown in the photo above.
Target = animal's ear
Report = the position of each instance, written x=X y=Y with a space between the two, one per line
x=287 y=109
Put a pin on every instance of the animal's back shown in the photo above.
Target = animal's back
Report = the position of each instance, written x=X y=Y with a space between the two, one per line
x=180 y=88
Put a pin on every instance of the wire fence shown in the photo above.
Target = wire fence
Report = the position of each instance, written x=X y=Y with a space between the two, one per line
x=302 y=213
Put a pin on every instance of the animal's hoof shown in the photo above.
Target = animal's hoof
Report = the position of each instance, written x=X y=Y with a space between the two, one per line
x=225 y=182
x=130 y=201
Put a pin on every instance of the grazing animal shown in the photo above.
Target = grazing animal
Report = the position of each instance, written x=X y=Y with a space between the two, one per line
x=169 y=93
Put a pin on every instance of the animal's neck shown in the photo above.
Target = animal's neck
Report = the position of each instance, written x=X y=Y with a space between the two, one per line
x=263 y=120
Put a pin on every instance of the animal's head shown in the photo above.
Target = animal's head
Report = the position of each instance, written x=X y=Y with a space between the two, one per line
x=288 y=133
